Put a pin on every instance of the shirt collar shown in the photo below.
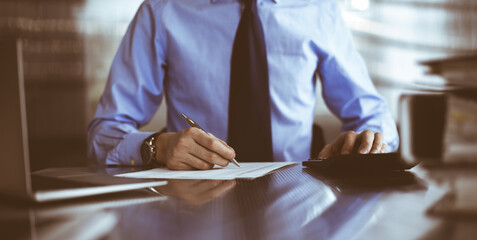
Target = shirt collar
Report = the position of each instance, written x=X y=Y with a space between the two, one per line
x=221 y=1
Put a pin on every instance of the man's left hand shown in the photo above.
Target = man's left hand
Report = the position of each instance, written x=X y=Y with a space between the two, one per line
x=352 y=142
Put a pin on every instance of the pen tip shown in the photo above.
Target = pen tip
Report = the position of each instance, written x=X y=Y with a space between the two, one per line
x=235 y=162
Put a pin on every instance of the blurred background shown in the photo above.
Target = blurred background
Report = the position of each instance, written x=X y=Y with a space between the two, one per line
x=68 y=47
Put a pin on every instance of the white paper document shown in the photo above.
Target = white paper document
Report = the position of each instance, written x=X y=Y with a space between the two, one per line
x=247 y=170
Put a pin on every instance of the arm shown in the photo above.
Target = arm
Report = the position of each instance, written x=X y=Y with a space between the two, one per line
x=133 y=93
x=349 y=93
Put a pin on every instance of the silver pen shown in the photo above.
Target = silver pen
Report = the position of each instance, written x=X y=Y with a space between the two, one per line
x=193 y=124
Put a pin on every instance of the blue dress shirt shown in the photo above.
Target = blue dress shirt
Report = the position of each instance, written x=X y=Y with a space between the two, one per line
x=181 y=49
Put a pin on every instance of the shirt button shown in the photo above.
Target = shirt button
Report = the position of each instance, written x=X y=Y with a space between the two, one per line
x=132 y=161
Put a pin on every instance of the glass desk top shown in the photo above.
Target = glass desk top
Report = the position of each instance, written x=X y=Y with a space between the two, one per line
x=293 y=203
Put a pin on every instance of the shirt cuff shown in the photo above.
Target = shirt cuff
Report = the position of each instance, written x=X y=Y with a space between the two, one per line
x=128 y=151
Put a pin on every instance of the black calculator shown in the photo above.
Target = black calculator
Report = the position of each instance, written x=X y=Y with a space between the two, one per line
x=361 y=162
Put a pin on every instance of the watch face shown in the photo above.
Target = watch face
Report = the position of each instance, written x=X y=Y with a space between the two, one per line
x=145 y=153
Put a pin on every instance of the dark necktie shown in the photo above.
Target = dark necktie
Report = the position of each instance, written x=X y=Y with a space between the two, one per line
x=249 y=104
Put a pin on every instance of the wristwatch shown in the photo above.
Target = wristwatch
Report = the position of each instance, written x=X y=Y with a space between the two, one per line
x=148 y=150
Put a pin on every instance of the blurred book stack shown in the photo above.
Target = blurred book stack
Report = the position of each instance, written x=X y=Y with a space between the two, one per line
x=459 y=72
x=460 y=128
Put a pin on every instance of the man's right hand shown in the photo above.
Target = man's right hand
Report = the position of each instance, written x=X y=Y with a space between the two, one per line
x=191 y=149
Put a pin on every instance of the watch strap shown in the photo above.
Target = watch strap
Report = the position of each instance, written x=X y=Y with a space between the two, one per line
x=148 y=149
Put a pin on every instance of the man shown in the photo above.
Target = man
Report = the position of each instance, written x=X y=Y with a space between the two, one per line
x=183 y=50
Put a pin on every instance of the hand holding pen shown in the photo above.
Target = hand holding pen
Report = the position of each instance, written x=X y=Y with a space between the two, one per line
x=191 y=149
x=192 y=123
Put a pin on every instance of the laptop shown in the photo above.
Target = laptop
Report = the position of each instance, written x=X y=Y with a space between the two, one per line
x=51 y=184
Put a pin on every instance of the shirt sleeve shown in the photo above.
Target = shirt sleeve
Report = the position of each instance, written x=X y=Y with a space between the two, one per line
x=132 y=94
x=347 y=88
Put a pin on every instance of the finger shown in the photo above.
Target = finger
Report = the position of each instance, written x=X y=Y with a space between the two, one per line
x=218 y=190
x=338 y=144
x=215 y=145
x=378 y=143
x=176 y=165
x=184 y=183
x=193 y=183
x=200 y=193
x=188 y=162
x=198 y=163
x=191 y=146
x=178 y=157
x=366 y=138
x=348 y=142
x=326 y=152
x=222 y=141
x=189 y=187
x=384 y=148
x=332 y=149
x=206 y=185
x=206 y=155
x=335 y=147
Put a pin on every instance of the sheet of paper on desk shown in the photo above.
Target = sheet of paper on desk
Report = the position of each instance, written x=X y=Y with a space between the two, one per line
x=247 y=170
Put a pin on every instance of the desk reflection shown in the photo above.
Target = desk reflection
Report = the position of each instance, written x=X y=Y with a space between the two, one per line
x=284 y=205
x=85 y=218
x=196 y=192
x=356 y=182
x=287 y=204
